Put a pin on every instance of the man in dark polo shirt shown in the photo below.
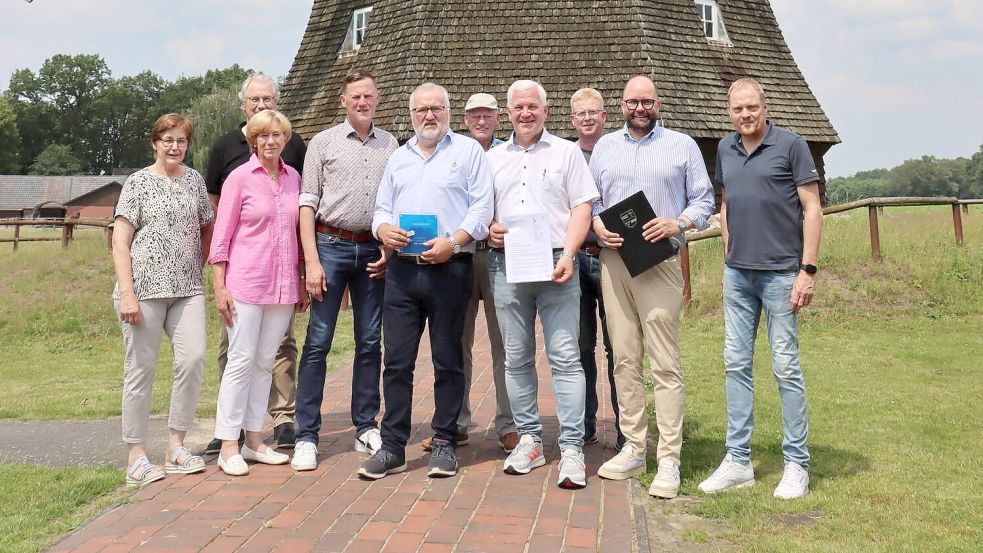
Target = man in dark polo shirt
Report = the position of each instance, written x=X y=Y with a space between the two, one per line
x=258 y=92
x=771 y=220
x=344 y=167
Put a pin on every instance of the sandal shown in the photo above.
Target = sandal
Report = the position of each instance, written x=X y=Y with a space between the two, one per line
x=190 y=464
x=143 y=472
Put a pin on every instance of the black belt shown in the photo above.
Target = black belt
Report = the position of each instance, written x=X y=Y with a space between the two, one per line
x=482 y=245
x=418 y=260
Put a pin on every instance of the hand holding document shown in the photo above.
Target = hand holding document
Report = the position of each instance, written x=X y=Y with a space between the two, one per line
x=528 y=252
x=421 y=228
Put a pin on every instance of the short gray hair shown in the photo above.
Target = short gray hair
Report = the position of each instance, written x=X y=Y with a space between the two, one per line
x=259 y=76
x=523 y=84
x=428 y=85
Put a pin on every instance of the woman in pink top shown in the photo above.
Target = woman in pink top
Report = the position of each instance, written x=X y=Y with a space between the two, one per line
x=256 y=272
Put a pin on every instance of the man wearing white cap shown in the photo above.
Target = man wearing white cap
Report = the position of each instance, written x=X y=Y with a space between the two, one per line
x=481 y=118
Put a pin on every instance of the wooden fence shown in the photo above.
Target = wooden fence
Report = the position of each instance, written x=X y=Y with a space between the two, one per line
x=67 y=225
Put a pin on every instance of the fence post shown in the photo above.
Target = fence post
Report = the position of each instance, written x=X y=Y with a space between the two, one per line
x=684 y=261
x=875 y=238
x=16 y=236
x=65 y=235
x=957 y=222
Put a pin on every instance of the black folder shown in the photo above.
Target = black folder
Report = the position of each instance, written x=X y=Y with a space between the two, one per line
x=626 y=218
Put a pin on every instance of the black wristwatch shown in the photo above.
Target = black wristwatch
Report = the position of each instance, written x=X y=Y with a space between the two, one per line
x=811 y=269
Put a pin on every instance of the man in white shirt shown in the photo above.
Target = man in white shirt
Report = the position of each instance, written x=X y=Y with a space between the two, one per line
x=536 y=173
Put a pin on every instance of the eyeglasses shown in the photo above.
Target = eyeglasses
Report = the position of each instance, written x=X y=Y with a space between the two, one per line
x=593 y=114
x=257 y=100
x=633 y=104
x=422 y=112
x=266 y=136
x=168 y=142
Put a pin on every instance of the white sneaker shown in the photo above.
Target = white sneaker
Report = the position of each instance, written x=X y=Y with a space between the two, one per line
x=666 y=481
x=573 y=472
x=795 y=482
x=627 y=463
x=305 y=456
x=730 y=474
x=369 y=441
x=234 y=466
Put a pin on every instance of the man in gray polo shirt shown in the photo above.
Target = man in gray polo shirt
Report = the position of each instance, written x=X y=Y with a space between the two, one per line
x=771 y=221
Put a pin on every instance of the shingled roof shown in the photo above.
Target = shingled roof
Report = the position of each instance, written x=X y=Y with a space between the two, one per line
x=483 y=46
x=24 y=192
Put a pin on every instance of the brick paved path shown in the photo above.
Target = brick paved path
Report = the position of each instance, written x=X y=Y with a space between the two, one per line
x=330 y=509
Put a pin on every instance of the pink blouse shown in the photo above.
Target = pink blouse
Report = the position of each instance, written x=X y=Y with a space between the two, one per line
x=256 y=233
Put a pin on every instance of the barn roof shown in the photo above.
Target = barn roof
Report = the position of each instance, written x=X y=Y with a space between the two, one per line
x=483 y=46
x=21 y=191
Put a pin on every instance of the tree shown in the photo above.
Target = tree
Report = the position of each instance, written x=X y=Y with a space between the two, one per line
x=973 y=185
x=56 y=159
x=9 y=139
x=127 y=108
x=213 y=115
x=182 y=93
x=923 y=177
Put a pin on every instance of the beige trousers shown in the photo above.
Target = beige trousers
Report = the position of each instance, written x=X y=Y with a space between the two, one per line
x=643 y=318
x=283 y=390
x=183 y=319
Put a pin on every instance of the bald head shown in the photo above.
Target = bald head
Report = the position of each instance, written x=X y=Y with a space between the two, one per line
x=641 y=84
x=640 y=106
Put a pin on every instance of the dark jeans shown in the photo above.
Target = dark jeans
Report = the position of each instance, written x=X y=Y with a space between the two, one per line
x=591 y=300
x=344 y=264
x=417 y=295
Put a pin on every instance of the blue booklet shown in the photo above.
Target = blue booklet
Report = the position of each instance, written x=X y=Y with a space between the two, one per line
x=421 y=227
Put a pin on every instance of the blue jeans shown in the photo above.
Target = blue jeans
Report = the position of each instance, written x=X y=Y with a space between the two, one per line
x=435 y=296
x=344 y=263
x=746 y=293
x=591 y=304
x=558 y=306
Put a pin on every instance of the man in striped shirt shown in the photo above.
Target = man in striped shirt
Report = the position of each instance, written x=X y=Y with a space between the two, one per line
x=668 y=167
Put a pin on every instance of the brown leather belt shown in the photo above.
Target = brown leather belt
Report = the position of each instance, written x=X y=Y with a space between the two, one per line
x=358 y=236
x=591 y=249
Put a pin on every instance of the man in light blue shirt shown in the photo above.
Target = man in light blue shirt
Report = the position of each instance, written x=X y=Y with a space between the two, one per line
x=668 y=167
x=437 y=173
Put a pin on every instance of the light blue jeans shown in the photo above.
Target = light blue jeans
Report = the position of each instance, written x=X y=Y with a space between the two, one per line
x=746 y=293
x=558 y=306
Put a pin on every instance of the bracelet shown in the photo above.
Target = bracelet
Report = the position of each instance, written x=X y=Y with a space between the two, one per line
x=568 y=254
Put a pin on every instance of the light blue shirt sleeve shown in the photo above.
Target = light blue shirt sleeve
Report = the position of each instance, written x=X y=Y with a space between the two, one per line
x=699 y=190
x=385 y=198
x=481 y=196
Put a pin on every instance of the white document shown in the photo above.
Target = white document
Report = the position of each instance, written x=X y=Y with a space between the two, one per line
x=528 y=249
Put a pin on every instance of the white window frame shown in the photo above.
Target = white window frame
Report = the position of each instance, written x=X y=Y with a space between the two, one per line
x=715 y=22
x=356 y=31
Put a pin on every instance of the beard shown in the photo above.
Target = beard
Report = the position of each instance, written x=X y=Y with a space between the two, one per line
x=432 y=133
x=643 y=128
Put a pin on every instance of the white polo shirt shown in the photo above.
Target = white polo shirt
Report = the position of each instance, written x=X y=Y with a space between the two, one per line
x=551 y=177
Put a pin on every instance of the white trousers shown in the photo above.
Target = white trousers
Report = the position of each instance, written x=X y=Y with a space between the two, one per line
x=254 y=338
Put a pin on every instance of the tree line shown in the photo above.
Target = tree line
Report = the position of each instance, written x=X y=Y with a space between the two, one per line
x=73 y=117
x=928 y=176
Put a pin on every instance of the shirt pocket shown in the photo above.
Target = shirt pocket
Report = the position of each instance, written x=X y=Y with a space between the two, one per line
x=554 y=188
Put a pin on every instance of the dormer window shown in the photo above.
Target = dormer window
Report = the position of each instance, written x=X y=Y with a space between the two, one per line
x=713 y=22
x=356 y=31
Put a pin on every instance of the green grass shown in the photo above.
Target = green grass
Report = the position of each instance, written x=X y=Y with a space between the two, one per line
x=61 y=352
x=38 y=504
x=893 y=360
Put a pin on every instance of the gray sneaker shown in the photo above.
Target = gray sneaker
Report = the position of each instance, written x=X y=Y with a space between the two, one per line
x=443 y=462
x=526 y=456
x=573 y=472
x=381 y=464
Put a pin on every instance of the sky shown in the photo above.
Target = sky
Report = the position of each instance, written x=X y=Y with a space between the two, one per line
x=882 y=69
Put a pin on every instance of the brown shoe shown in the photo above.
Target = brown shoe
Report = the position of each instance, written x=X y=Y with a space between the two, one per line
x=509 y=441
x=462 y=439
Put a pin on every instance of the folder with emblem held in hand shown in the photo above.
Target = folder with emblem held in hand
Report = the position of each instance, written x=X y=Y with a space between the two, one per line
x=626 y=218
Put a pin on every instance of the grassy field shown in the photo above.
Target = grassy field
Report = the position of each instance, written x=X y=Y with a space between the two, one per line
x=893 y=357
x=892 y=353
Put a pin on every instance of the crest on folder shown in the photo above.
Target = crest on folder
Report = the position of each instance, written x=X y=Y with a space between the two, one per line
x=628 y=218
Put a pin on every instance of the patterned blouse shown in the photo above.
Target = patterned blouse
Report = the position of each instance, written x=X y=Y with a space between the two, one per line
x=168 y=215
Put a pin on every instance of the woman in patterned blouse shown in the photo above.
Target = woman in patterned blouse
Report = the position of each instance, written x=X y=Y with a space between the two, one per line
x=162 y=220
x=256 y=273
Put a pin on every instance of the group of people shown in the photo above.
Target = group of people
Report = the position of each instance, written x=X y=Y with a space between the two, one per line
x=296 y=226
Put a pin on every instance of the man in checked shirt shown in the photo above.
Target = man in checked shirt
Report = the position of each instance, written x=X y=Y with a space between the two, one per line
x=342 y=171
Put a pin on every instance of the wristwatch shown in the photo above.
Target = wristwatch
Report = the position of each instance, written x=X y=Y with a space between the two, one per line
x=455 y=245
x=811 y=269
x=682 y=225
x=572 y=257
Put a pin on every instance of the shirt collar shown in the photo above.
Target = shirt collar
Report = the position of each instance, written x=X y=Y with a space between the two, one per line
x=349 y=130
x=253 y=164
x=545 y=139
x=652 y=134
x=447 y=140
x=769 y=140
